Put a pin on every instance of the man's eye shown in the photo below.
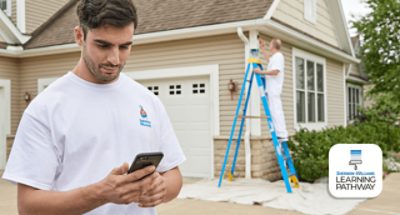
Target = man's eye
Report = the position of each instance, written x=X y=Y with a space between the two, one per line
x=103 y=45
x=124 y=47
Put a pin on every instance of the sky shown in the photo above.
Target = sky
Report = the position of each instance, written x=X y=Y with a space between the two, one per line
x=356 y=8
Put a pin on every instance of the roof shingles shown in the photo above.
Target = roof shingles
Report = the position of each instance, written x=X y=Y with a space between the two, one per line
x=155 y=16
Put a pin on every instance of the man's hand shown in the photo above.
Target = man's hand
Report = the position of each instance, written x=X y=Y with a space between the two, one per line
x=156 y=194
x=258 y=71
x=121 y=188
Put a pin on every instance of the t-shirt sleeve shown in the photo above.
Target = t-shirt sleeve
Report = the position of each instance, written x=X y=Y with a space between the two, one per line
x=169 y=144
x=33 y=160
x=277 y=63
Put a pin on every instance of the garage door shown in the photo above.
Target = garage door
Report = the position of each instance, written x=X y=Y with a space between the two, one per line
x=187 y=101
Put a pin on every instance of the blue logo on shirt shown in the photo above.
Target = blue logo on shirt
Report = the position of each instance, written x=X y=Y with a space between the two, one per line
x=143 y=118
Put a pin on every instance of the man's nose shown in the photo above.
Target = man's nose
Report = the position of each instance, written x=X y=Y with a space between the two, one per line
x=113 y=57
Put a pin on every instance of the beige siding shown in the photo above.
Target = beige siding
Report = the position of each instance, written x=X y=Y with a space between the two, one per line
x=291 y=12
x=39 y=11
x=9 y=71
x=227 y=51
x=355 y=70
x=14 y=11
x=2 y=40
x=335 y=93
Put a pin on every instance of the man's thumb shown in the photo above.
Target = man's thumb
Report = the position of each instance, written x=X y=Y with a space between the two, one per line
x=121 y=169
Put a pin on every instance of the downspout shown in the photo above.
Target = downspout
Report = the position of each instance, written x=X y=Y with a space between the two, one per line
x=247 y=148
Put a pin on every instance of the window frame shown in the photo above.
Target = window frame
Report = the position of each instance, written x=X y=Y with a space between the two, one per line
x=8 y=9
x=317 y=125
x=349 y=116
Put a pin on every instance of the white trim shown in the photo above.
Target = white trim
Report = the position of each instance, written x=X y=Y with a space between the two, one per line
x=207 y=70
x=254 y=103
x=13 y=35
x=21 y=18
x=193 y=32
x=272 y=9
x=361 y=97
x=349 y=67
x=317 y=60
x=345 y=94
x=42 y=83
x=356 y=80
x=312 y=17
x=344 y=25
x=6 y=85
x=8 y=10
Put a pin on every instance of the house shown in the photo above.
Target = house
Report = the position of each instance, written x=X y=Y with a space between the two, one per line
x=188 y=53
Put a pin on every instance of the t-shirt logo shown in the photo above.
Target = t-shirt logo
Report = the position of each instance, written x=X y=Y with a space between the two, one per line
x=143 y=117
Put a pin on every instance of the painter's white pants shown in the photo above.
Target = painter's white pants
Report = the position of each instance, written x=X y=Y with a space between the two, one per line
x=278 y=118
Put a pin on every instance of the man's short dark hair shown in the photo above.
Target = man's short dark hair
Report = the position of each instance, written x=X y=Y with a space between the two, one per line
x=96 y=13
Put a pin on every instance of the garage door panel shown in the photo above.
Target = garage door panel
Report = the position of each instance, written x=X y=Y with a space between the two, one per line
x=187 y=103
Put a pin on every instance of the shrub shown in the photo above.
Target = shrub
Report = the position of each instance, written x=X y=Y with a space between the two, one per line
x=310 y=149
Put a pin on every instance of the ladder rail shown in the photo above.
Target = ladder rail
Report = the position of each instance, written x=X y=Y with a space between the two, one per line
x=281 y=148
x=233 y=126
x=278 y=151
x=242 y=124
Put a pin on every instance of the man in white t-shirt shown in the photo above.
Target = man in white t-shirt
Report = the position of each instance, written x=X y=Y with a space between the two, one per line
x=74 y=136
x=274 y=81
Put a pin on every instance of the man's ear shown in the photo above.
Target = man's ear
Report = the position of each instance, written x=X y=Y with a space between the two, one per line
x=79 y=35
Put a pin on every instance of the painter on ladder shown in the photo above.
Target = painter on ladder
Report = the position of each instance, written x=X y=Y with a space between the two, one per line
x=274 y=80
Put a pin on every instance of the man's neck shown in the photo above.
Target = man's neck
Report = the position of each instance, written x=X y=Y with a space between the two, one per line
x=82 y=71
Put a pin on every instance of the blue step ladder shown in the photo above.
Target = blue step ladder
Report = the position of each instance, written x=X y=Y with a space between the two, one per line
x=282 y=152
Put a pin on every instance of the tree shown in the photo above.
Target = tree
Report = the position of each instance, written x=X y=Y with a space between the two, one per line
x=380 y=49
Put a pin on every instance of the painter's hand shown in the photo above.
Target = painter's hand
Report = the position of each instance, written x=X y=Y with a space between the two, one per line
x=257 y=70
x=262 y=44
x=156 y=193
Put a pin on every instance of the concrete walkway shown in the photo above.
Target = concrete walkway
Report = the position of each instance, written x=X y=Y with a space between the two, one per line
x=387 y=203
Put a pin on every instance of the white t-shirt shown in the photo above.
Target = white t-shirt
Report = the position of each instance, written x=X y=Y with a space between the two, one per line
x=75 y=132
x=274 y=83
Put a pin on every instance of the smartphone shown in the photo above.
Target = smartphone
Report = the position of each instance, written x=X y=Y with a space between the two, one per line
x=146 y=159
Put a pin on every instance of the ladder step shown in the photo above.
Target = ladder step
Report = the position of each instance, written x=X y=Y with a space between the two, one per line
x=253 y=117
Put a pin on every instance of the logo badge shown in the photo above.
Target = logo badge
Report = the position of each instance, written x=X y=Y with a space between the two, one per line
x=143 y=117
x=355 y=170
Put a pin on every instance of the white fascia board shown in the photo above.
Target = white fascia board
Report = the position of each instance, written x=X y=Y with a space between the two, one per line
x=194 y=32
x=9 y=29
x=19 y=52
x=344 y=24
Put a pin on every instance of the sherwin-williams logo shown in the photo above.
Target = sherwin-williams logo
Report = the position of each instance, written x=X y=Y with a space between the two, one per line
x=143 y=117
x=355 y=170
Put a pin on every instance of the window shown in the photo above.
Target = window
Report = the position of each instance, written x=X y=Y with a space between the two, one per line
x=310 y=10
x=175 y=89
x=199 y=88
x=354 y=101
x=309 y=90
x=5 y=5
x=153 y=89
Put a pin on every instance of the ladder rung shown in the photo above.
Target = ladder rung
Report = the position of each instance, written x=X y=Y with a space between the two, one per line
x=253 y=117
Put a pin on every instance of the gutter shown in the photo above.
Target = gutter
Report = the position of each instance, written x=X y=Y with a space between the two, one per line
x=247 y=148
